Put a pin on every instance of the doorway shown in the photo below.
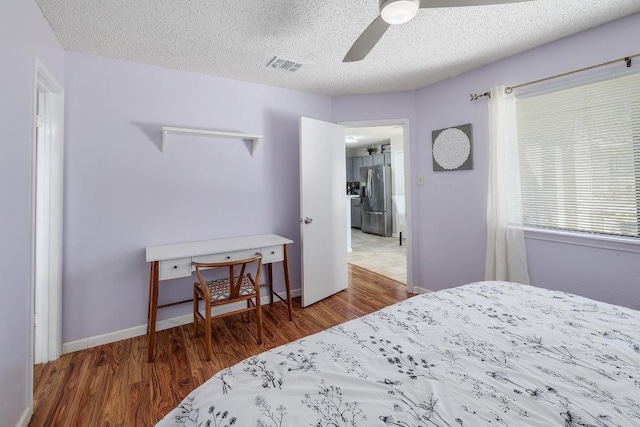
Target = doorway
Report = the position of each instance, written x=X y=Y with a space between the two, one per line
x=385 y=251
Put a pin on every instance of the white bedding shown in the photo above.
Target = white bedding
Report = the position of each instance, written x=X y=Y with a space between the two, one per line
x=483 y=354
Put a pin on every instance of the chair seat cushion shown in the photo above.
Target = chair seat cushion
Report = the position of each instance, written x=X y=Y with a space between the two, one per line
x=220 y=289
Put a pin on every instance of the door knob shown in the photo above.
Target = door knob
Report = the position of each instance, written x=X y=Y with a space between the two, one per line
x=308 y=220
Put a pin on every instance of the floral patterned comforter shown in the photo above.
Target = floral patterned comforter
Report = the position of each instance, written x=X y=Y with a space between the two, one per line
x=483 y=354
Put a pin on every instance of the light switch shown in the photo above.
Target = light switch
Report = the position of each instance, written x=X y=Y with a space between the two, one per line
x=420 y=179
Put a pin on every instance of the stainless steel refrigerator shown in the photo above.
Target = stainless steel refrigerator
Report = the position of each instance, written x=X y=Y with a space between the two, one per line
x=375 y=186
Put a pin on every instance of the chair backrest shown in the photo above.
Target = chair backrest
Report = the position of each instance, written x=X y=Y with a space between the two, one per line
x=401 y=215
x=235 y=277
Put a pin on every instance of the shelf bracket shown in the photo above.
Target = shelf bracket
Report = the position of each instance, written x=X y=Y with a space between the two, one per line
x=169 y=129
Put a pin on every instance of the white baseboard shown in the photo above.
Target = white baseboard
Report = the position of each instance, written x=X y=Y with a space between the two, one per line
x=419 y=290
x=25 y=418
x=136 y=331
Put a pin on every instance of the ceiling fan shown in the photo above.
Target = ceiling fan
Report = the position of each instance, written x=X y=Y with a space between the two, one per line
x=394 y=12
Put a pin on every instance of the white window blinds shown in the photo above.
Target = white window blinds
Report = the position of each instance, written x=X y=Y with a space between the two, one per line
x=580 y=157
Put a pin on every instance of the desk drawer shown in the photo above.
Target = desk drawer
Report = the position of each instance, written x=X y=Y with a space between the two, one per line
x=172 y=268
x=272 y=254
x=228 y=256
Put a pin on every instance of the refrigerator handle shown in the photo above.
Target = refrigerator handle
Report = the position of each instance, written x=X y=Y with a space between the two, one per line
x=370 y=189
x=367 y=190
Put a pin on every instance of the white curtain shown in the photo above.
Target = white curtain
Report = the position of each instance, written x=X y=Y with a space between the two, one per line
x=506 y=255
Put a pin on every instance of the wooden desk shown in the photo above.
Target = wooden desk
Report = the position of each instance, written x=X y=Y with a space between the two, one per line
x=174 y=261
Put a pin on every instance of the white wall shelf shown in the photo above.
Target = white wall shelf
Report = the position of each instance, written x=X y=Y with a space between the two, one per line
x=169 y=129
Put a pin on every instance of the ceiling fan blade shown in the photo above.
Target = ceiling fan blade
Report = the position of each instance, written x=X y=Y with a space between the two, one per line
x=432 y=4
x=367 y=40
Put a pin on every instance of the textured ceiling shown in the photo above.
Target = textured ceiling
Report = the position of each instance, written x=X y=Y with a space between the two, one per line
x=238 y=38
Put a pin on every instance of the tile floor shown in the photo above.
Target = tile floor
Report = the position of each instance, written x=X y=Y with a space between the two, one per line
x=382 y=255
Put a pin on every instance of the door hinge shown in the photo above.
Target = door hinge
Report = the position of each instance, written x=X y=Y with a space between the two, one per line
x=39 y=121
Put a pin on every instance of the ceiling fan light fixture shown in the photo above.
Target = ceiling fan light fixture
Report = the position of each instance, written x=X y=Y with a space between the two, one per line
x=397 y=12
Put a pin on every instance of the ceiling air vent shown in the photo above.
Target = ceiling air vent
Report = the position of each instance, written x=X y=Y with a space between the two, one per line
x=284 y=64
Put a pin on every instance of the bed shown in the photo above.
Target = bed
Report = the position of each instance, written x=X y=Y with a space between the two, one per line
x=483 y=354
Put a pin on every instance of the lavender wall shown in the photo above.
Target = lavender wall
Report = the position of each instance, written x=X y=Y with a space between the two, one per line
x=123 y=193
x=452 y=205
x=23 y=33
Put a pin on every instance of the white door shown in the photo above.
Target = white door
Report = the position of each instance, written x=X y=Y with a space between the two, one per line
x=323 y=228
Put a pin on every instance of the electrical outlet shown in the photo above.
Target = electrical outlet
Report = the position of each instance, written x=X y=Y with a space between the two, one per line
x=420 y=179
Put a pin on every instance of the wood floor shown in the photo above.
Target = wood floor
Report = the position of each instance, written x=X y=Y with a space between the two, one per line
x=113 y=385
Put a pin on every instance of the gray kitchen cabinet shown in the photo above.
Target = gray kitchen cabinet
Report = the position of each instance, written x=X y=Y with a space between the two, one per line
x=357 y=164
x=378 y=159
x=356 y=213
x=349 y=169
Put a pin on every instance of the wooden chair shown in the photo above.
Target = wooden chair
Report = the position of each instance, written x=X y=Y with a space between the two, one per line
x=238 y=286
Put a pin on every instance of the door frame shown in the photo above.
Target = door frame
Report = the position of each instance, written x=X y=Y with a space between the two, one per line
x=46 y=226
x=407 y=182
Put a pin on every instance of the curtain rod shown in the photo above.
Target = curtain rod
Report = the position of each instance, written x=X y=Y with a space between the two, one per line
x=510 y=89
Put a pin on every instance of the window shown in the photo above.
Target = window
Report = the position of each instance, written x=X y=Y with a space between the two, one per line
x=580 y=157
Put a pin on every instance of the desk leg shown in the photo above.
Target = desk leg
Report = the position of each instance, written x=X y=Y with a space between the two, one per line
x=153 y=309
x=270 y=274
x=150 y=291
x=285 y=265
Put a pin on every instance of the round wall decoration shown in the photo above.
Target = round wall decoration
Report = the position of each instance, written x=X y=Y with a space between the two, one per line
x=452 y=148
